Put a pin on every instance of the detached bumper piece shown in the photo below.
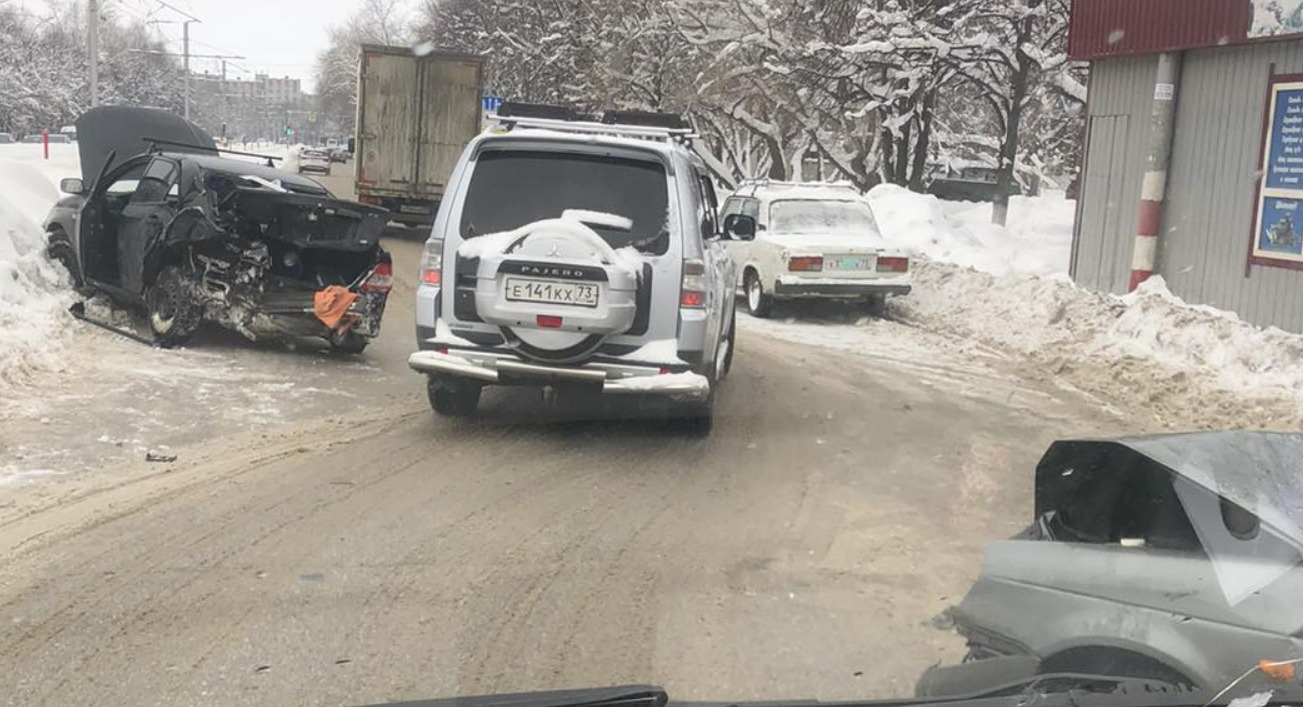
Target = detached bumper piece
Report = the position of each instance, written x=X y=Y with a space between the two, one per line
x=613 y=378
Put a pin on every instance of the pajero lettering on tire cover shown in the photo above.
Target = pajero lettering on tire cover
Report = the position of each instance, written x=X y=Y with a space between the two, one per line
x=565 y=252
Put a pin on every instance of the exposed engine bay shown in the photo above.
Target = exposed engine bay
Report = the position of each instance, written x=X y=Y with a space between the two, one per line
x=257 y=258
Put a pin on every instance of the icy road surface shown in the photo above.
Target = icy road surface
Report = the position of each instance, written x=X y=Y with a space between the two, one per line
x=323 y=537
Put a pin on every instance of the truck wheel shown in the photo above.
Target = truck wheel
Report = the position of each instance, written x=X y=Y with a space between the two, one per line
x=452 y=397
x=759 y=303
x=173 y=315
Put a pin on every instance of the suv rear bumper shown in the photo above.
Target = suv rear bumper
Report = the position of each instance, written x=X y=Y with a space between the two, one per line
x=800 y=287
x=493 y=368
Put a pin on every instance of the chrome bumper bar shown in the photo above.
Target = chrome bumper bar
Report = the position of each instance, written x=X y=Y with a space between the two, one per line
x=614 y=379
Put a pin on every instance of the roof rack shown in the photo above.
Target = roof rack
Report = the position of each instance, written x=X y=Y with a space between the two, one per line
x=636 y=124
x=645 y=132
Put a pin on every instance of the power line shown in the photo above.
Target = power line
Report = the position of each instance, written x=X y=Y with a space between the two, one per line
x=178 y=10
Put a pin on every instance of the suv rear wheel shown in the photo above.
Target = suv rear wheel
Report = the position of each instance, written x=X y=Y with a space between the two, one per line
x=759 y=303
x=453 y=397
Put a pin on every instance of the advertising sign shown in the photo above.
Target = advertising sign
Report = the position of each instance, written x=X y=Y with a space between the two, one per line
x=1278 y=225
x=1275 y=17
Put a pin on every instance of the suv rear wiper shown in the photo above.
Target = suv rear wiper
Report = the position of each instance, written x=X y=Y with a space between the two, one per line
x=626 y=696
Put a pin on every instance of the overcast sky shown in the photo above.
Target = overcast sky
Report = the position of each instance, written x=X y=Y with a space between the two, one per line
x=282 y=37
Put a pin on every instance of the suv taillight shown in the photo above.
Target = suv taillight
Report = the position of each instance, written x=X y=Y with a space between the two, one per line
x=432 y=264
x=693 y=293
x=891 y=264
x=381 y=279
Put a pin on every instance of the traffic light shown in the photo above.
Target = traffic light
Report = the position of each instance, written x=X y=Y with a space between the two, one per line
x=289 y=130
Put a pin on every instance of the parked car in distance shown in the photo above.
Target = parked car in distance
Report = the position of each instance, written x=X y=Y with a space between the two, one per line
x=194 y=236
x=580 y=255
x=1171 y=558
x=55 y=139
x=339 y=154
x=970 y=184
x=813 y=242
x=6 y=139
x=314 y=160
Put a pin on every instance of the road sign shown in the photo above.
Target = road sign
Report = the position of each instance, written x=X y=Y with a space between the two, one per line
x=312 y=117
x=492 y=104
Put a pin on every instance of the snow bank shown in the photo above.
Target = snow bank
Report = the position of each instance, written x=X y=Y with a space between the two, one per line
x=34 y=293
x=1038 y=241
x=1190 y=366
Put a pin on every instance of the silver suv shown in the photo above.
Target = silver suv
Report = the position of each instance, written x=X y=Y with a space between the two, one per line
x=575 y=255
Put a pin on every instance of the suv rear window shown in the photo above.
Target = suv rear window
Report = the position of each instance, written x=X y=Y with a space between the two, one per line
x=510 y=189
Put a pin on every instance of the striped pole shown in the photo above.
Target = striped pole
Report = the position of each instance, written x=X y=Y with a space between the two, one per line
x=1153 y=187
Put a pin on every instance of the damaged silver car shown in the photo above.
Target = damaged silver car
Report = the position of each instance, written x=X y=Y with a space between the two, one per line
x=1176 y=559
x=162 y=219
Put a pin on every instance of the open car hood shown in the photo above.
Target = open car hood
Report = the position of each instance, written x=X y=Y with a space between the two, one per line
x=125 y=131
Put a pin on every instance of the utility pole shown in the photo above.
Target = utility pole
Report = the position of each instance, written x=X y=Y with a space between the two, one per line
x=93 y=49
x=185 y=34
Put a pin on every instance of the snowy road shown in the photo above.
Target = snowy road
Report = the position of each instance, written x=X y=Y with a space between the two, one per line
x=350 y=548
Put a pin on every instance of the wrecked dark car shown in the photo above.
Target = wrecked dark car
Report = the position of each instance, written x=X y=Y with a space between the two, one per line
x=1172 y=558
x=162 y=219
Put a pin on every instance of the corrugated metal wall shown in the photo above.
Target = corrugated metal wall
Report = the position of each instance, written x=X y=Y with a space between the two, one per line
x=1210 y=181
x=1104 y=28
x=1206 y=228
x=1116 y=129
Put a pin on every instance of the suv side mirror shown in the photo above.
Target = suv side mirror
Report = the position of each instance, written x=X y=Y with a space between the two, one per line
x=740 y=227
x=72 y=185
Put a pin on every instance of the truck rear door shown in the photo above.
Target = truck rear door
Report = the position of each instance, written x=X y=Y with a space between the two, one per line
x=387 y=125
x=450 y=89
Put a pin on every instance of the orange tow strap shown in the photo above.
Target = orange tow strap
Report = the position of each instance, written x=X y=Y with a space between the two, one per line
x=331 y=304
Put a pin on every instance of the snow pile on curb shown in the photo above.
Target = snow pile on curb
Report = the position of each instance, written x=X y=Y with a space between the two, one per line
x=1190 y=366
x=34 y=292
x=1148 y=352
x=1038 y=242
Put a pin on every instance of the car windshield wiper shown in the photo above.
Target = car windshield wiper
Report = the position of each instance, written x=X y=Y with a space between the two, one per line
x=1042 y=691
x=626 y=696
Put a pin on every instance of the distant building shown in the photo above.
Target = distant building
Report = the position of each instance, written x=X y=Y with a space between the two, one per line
x=1194 y=152
x=257 y=108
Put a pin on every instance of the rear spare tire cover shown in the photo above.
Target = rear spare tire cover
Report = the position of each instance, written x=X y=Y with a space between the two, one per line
x=557 y=252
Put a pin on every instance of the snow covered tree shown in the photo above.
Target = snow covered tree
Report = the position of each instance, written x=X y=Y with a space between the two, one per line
x=44 y=72
x=374 y=22
x=881 y=90
x=1023 y=78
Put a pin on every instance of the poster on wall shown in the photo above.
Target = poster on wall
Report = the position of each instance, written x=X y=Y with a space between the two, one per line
x=1275 y=17
x=1278 y=225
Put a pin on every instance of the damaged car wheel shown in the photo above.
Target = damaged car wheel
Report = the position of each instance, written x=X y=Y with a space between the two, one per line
x=173 y=315
x=349 y=343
